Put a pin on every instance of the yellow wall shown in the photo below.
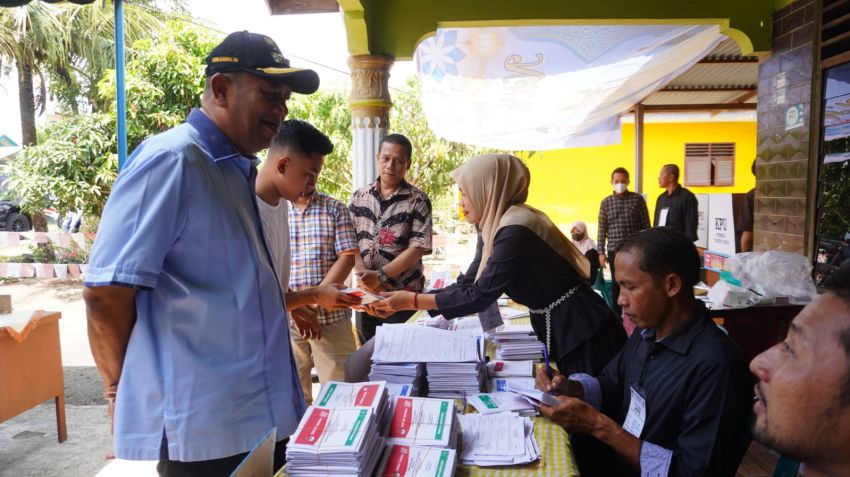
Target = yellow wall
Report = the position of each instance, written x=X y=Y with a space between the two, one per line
x=569 y=184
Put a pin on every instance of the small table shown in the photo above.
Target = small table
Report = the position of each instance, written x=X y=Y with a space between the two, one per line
x=31 y=369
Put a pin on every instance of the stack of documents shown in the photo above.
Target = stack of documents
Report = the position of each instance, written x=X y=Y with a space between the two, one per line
x=454 y=361
x=497 y=439
x=423 y=422
x=411 y=375
x=516 y=342
x=512 y=313
x=338 y=441
x=399 y=390
x=492 y=403
x=369 y=394
x=510 y=369
x=415 y=461
x=455 y=380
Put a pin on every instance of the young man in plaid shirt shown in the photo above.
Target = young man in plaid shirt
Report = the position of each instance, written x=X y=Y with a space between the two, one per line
x=323 y=245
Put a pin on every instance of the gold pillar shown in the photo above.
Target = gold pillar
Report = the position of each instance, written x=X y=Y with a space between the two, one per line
x=370 y=107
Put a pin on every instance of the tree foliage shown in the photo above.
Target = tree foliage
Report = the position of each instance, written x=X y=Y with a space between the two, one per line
x=72 y=168
x=164 y=79
x=75 y=163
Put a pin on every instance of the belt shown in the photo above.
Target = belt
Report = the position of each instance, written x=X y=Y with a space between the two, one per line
x=547 y=312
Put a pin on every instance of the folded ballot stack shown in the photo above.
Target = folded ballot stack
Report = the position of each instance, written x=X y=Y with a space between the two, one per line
x=497 y=439
x=372 y=394
x=416 y=461
x=410 y=376
x=455 y=380
x=423 y=422
x=340 y=441
x=516 y=342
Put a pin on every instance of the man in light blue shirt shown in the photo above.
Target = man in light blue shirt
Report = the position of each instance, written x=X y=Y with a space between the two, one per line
x=186 y=316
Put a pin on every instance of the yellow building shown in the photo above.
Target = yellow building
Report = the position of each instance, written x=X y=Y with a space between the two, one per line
x=569 y=184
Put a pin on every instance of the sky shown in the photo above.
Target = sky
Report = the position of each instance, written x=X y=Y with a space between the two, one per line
x=313 y=41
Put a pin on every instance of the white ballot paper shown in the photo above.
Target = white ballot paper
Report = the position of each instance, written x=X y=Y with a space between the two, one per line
x=340 y=394
x=534 y=396
x=501 y=384
x=492 y=403
x=416 y=461
x=497 y=439
x=410 y=343
x=423 y=422
x=510 y=369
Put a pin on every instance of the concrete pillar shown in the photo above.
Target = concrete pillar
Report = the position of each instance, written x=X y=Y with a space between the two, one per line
x=370 y=108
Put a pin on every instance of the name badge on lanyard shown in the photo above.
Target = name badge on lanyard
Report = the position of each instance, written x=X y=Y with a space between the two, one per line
x=637 y=413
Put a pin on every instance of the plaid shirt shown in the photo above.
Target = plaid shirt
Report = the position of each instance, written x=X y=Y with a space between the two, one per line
x=388 y=227
x=318 y=235
x=620 y=218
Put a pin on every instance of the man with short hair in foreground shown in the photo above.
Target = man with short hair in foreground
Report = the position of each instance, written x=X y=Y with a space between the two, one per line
x=802 y=404
x=676 y=400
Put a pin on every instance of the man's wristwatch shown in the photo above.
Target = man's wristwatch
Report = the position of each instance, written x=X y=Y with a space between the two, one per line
x=382 y=276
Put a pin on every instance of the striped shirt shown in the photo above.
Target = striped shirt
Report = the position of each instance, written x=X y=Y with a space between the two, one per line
x=318 y=235
x=388 y=227
x=620 y=217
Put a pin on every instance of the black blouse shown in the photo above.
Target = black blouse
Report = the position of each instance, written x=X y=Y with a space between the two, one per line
x=521 y=265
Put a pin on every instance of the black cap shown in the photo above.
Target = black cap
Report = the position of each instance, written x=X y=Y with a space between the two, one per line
x=258 y=54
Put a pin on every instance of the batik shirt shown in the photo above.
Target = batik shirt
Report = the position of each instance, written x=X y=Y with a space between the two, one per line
x=387 y=227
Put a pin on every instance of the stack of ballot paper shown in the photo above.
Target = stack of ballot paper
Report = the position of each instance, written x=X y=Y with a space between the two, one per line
x=533 y=395
x=497 y=439
x=501 y=384
x=337 y=441
x=411 y=375
x=492 y=403
x=516 y=342
x=455 y=380
x=372 y=394
x=423 y=422
x=415 y=461
x=510 y=369
x=399 y=390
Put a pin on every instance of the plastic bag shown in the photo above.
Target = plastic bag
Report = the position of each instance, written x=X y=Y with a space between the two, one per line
x=777 y=273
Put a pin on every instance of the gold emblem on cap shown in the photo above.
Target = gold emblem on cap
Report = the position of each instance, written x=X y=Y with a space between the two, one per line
x=278 y=57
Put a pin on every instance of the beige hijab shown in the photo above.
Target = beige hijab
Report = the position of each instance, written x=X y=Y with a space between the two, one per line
x=497 y=187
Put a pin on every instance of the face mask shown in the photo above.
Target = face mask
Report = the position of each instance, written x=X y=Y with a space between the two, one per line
x=620 y=187
x=578 y=237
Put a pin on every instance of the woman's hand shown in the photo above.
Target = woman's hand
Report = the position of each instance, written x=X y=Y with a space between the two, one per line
x=369 y=280
x=394 y=301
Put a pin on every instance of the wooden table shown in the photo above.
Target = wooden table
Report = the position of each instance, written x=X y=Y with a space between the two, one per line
x=31 y=371
x=757 y=328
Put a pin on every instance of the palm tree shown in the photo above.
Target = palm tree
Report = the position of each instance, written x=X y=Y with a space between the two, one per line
x=31 y=36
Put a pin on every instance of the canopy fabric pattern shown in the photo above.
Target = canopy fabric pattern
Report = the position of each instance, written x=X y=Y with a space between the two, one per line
x=549 y=87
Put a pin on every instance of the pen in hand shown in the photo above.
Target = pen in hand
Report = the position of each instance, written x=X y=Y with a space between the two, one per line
x=549 y=372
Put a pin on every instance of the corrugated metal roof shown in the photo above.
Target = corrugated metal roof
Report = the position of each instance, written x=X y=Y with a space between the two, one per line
x=727 y=70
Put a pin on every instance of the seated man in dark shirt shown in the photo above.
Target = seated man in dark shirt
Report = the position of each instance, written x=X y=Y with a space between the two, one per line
x=676 y=400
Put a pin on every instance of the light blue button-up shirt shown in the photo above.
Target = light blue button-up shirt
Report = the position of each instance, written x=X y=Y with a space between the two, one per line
x=208 y=369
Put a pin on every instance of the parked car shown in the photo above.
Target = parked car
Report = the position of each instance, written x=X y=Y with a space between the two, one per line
x=12 y=219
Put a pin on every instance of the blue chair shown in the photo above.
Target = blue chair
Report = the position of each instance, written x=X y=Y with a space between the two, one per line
x=786 y=467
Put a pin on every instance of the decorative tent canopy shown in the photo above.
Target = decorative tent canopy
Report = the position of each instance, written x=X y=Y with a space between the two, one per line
x=549 y=87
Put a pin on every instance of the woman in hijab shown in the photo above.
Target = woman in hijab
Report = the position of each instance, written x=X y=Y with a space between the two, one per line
x=578 y=232
x=523 y=254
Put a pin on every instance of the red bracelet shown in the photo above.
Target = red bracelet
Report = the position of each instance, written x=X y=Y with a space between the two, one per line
x=415 y=302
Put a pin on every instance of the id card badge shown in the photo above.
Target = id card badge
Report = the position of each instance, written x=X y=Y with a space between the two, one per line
x=491 y=317
x=662 y=217
x=637 y=413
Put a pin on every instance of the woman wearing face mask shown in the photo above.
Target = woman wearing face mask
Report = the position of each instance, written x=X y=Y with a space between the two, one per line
x=523 y=254
x=583 y=243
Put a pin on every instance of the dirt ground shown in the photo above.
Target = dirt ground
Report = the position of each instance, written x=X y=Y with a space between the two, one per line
x=28 y=443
